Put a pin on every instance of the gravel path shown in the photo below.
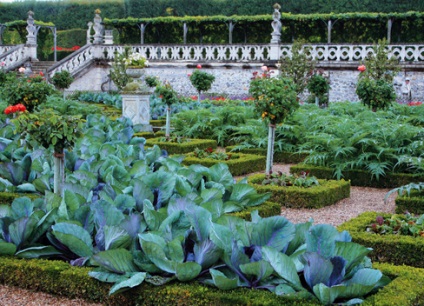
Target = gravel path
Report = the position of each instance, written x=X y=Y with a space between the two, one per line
x=361 y=199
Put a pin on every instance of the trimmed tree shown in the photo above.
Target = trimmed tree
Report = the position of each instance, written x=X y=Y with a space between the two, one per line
x=169 y=97
x=202 y=81
x=275 y=100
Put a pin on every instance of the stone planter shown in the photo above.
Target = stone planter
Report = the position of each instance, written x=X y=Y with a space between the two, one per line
x=135 y=73
x=136 y=106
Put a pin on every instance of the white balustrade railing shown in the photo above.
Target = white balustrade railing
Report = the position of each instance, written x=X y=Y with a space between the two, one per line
x=255 y=53
x=259 y=53
x=14 y=57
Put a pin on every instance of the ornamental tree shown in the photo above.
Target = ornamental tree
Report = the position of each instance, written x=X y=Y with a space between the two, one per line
x=275 y=100
x=49 y=129
x=202 y=81
x=169 y=97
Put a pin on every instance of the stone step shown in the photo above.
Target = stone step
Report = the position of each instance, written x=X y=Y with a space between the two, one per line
x=38 y=67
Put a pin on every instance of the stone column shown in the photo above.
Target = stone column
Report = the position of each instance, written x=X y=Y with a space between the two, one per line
x=98 y=28
x=108 y=37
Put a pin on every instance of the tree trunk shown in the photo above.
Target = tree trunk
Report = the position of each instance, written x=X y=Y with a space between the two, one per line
x=59 y=172
x=270 y=151
x=168 y=122
x=316 y=101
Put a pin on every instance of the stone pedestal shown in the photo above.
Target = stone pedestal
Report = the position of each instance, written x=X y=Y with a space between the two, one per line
x=136 y=106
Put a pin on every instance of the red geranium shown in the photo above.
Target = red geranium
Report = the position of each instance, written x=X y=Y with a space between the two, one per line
x=11 y=109
x=362 y=68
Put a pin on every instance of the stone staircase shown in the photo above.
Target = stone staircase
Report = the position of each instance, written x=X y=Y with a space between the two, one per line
x=38 y=67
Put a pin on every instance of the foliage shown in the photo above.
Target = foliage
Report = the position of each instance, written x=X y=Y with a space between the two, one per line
x=167 y=94
x=209 y=153
x=299 y=67
x=375 y=88
x=29 y=91
x=152 y=81
x=379 y=66
x=396 y=249
x=275 y=98
x=135 y=60
x=117 y=73
x=405 y=189
x=201 y=80
x=96 y=97
x=62 y=79
x=377 y=94
x=47 y=128
x=407 y=224
x=283 y=179
x=319 y=86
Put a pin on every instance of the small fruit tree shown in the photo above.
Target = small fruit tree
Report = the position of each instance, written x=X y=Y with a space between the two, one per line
x=169 y=97
x=201 y=80
x=49 y=129
x=62 y=80
x=275 y=100
x=375 y=85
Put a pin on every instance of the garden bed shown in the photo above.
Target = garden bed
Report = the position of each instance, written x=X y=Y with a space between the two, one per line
x=279 y=157
x=56 y=277
x=238 y=164
x=327 y=193
x=360 y=177
x=187 y=146
x=395 y=249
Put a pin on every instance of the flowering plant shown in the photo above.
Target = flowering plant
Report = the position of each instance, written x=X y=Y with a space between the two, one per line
x=275 y=98
x=415 y=103
x=136 y=60
x=11 y=109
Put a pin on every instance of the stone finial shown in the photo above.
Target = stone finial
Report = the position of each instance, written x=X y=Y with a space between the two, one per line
x=31 y=29
x=98 y=28
x=276 y=24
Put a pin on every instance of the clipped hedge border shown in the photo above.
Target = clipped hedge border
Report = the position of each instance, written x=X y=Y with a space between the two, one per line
x=158 y=122
x=327 y=193
x=267 y=209
x=395 y=249
x=182 y=148
x=239 y=164
x=149 y=135
x=360 y=177
x=8 y=197
x=413 y=203
x=56 y=277
x=279 y=157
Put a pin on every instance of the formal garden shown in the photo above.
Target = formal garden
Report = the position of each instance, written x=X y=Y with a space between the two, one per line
x=149 y=196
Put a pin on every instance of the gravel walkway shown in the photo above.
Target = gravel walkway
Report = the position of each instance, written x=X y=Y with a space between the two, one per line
x=361 y=199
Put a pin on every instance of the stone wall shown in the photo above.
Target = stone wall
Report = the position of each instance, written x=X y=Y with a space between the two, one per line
x=233 y=80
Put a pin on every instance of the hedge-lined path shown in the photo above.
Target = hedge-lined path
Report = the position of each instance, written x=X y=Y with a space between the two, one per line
x=361 y=199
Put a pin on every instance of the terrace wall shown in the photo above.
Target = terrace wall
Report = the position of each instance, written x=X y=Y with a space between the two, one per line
x=234 y=79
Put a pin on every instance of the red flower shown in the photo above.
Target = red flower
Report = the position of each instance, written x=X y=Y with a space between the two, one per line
x=161 y=96
x=362 y=68
x=199 y=66
x=11 y=109
x=20 y=107
x=189 y=75
x=41 y=73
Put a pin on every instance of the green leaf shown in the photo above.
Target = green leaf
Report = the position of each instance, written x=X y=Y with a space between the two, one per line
x=221 y=236
x=36 y=252
x=283 y=266
x=116 y=237
x=157 y=255
x=7 y=248
x=117 y=261
x=222 y=281
x=76 y=238
x=135 y=280
x=260 y=269
x=187 y=271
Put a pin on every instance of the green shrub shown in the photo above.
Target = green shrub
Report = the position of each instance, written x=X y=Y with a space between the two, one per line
x=360 y=177
x=238 y=164
x=327 y=193
x=395 y=249
x=181 y=148
x=413 y=204
x=279 y=157
x=7 y=197
x=60 y=278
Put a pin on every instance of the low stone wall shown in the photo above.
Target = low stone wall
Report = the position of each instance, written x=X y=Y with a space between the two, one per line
x=234 y=79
